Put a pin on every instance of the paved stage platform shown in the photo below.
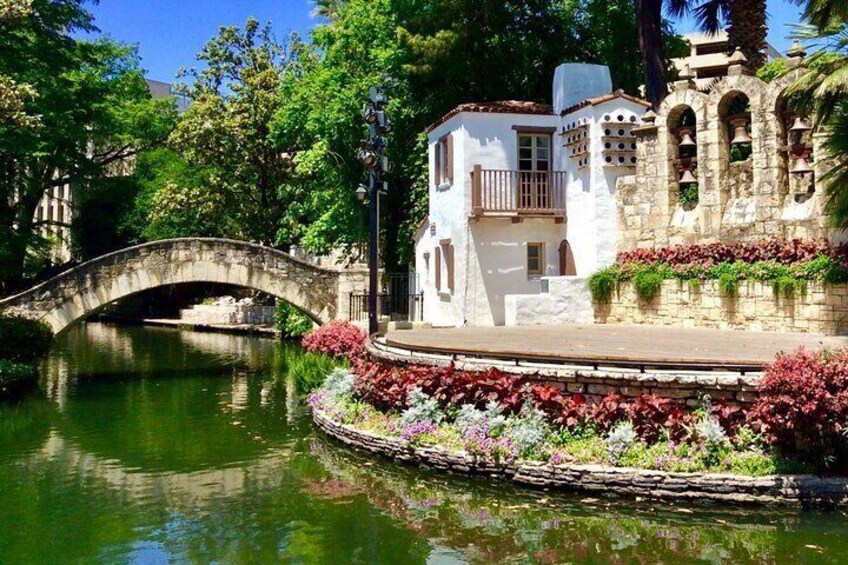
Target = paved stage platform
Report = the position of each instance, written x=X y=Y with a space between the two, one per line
x=637 y=346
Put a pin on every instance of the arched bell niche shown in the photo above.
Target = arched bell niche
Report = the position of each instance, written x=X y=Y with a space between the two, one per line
x=683 y=136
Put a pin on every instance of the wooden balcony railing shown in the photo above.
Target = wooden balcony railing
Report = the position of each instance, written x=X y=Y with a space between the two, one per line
x=517 y=193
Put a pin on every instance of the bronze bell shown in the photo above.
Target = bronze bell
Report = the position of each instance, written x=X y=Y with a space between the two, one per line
x=688 y=177
x=740 y=132
x=800 y=126
x=686 y=138
x=801 y=166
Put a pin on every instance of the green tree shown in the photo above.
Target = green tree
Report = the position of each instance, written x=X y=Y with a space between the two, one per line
x=94 y=112
x=226 y=132
x=430 y=55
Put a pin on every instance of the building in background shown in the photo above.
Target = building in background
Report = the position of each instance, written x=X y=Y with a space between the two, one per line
x=56 y=212
x=709 y=57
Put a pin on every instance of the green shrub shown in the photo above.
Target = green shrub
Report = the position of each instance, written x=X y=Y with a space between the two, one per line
x=290 y=321
x=728 y=284
x=788 y=286
x=694 y=285
x=311 y=369
x=689 y=196
x=23 y=340
x=602 y=284
x=13 y=372
x=647 y=284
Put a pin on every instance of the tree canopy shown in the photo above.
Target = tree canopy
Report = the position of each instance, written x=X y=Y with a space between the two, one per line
x=87 y=107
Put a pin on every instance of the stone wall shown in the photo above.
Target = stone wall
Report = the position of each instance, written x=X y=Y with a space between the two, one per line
x=750 y=200
x=797 y=490
x=823 y=308
x=688 y=387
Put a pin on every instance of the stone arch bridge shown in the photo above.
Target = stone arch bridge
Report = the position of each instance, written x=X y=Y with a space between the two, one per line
x=321 y=293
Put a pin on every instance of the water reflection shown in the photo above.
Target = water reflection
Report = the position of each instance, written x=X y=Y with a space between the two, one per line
x=155 y=445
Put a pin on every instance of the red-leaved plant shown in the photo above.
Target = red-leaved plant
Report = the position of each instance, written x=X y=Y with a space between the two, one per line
x=803 y=405
x=337 y=339
x=781 y=251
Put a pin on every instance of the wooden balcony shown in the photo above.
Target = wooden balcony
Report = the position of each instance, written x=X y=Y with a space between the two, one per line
x=518 y=194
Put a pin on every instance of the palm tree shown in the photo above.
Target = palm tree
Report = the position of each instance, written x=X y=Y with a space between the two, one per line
x=328 y=9
x=822 y=13
x=745 y=21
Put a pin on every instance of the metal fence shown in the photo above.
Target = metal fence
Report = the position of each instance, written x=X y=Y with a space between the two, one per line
x=401 y=300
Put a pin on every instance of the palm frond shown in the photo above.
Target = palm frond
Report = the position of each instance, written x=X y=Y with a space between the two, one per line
x=711 y=15
x=836 y=179
x=678 y=8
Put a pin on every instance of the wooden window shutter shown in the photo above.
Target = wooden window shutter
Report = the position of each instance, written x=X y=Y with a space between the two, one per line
x=438 y=163
x=438 y=262
x=450 y=267
x=449 y=158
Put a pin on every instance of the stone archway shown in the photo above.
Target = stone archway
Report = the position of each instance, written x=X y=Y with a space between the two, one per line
x=321 y=293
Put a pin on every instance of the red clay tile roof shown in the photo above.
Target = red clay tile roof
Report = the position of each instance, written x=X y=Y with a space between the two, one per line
x=605 y=98
x=500 y=107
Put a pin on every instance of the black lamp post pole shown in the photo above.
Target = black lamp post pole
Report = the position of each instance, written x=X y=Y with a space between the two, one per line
x=373 y=155
x=373 y=246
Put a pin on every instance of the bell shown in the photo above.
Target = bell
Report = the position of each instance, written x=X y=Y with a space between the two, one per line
x=740 y=132
x=801 y=166
x=686 y=139
x=687 y=177
x=800 y=126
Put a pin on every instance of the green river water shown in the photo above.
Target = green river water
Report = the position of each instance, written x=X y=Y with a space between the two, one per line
x=149 y=445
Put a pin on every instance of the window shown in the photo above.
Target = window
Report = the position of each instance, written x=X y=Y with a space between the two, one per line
x=534 y=152
x=444 y=260
x=444 y=160
x=449 y=265
x=535 y=258
x=437 y=261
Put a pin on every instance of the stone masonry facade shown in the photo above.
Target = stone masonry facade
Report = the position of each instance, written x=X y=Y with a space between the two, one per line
x=748 y=200
x=793 y=490
x=822 y=309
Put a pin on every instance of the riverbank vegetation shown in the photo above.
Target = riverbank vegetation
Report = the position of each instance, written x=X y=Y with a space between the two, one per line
x=332 y=346
x=22 y=343
x=787 y=265
x=796 y=425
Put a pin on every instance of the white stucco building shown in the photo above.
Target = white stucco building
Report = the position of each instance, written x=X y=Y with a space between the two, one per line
x=522 y=202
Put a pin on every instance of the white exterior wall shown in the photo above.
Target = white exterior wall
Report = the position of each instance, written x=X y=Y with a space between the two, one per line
x=590 y=196
x=490 y=253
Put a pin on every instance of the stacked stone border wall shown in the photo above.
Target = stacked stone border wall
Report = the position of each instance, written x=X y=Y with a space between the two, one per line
x=822 y=309
x=795 y=490
x=687 y=387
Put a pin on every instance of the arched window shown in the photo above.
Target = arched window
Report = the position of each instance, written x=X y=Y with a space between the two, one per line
x=683 y=128
x=567 y=267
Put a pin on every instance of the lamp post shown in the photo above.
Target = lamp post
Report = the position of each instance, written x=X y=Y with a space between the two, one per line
x=373 y=156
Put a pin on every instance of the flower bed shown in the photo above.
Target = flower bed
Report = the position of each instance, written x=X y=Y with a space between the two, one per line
x=787 y=265
x=504 y=419
x=492 y=423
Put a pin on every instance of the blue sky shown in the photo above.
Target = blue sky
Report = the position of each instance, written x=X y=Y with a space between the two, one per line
x=170 y=32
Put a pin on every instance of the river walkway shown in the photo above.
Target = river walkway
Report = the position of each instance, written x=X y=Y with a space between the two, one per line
x=614 y=344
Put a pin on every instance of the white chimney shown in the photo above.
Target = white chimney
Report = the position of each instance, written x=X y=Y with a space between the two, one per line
x=575 y=82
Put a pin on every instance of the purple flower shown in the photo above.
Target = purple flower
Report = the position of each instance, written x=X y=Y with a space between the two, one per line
x=412 y=432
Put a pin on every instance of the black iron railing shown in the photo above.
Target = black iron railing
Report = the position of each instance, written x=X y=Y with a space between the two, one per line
x=398 y=307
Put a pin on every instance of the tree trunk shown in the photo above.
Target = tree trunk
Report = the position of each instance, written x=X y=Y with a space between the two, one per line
x=649 y=17
x=747 y=30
